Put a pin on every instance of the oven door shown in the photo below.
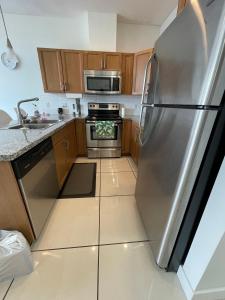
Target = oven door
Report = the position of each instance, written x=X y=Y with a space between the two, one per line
x=94 y=140
x=107 y=85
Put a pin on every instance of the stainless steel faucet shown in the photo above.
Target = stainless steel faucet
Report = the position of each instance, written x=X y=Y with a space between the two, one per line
x=18 y=108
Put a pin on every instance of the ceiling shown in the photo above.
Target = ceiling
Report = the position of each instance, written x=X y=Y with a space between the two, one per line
x=152 y=12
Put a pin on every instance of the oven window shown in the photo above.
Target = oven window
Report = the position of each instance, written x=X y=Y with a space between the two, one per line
x=99 y=84
x=104 y=133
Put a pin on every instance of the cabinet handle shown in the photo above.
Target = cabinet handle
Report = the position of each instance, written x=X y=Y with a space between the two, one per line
x=102 y=63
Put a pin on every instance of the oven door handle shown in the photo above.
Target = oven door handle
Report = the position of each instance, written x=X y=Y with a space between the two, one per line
x=90 y=122
x=94 y=122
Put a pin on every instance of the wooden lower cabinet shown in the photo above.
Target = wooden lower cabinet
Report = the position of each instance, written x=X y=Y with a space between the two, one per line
x=126 y=136
x=13 y=214
x=64 y=144
x=81 y=137
x=134 y=143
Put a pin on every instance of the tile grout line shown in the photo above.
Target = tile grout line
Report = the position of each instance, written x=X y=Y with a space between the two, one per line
x=99 y=224
x=8 y=289
x=131 y=167
x=93 y=245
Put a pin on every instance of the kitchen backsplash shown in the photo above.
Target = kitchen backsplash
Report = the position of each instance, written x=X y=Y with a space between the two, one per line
x=50 y=102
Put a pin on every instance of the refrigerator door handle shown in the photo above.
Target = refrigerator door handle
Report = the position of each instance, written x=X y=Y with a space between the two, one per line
x=145 y=77
x=140 y=121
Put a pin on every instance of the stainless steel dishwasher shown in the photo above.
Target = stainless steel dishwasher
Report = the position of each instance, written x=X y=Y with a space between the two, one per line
x=36 y=175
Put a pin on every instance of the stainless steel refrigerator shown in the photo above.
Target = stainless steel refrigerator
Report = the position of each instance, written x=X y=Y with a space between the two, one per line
x=181 y=103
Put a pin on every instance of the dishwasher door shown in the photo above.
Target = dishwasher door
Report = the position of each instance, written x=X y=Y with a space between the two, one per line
x=39 y=186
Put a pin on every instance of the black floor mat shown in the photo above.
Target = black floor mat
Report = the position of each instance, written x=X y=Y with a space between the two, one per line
x=80 y=181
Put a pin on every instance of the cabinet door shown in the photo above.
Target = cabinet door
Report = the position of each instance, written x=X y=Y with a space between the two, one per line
x=72 y=151
x=140 y=61
x=181 y=5
x=112 y=61
x=72 y=71
x=93 y=61
x=60 y=151
x=81 y=137
x=126 y=136
x=127 y=73
x=51 y=70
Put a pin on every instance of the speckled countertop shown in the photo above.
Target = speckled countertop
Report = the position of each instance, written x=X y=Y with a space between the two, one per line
x=15 y=142
x=132 y=117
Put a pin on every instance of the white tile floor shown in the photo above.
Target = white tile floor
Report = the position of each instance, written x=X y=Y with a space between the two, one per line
x=96 y=248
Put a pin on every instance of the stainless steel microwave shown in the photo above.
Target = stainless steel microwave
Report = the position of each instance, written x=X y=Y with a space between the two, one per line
x=102 y=82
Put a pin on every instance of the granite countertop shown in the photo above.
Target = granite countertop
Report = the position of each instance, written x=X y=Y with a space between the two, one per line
x=132 y=117
x=15 y=142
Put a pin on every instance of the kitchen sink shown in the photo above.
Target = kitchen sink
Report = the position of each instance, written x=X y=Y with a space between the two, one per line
x=32 y=126
x=44 y=124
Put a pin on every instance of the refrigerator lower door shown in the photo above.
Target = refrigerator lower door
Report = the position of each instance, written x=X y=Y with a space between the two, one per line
x=173 y=143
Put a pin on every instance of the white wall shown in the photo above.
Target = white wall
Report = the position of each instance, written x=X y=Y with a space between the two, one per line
x=29 y=32
x=203 y=273
x=168 y=20
x=26 y=34
x=102 y=31
x=133 y=37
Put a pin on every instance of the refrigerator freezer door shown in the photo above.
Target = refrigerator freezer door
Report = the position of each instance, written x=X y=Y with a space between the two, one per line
x=173 y=143
x=189 y=54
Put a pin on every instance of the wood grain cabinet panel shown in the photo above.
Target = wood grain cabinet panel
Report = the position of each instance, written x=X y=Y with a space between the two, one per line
x=13 y=214
x=72 y=62
x=181 y=6
x=65 y=150
x=134 y=143
x=140 y=61
x=93 y=60
x=81 y=137
x=112 y=61
x=51 y=70
x=126 y=136
x=127 y=73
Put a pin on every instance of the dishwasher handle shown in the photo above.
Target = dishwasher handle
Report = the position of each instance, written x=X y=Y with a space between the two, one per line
x=23 y=164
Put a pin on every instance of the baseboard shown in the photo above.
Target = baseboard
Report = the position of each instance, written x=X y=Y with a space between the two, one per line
x=207 y=294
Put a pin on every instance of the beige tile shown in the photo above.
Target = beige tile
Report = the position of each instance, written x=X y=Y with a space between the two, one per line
x=132 y=164
x=89 y=160
x=115 y=165
x=128 y=271
x=4 y=287
x=114 y=184
x=63 y=275
x=120 y=220
x=73 y=222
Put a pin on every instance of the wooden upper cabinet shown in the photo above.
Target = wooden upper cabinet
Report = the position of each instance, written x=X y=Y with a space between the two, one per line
x=93 y=60
x=112 y=61
x=102 y=61
x=140 y=60
x=72 y=62
x=51 y=70
x=181 y=5
x=127 y=73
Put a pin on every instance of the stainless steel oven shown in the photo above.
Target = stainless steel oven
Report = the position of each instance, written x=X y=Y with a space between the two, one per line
x=106 y=116
x=102 y=82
